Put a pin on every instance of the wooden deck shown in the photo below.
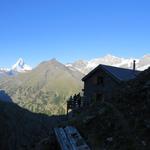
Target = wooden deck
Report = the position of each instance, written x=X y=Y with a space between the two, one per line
x=70 y=139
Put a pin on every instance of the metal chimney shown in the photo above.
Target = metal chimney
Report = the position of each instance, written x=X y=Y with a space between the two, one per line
x=134 y=65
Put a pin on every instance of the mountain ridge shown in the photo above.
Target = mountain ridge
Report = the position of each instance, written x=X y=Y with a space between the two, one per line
x=86 y=66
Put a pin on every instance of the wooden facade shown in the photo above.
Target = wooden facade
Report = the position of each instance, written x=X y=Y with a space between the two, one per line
x=98 y=86
x=100 y=83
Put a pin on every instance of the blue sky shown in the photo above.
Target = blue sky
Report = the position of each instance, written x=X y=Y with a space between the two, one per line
x=67 y=30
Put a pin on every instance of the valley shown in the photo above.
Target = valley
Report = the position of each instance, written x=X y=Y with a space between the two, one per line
x=47 y=87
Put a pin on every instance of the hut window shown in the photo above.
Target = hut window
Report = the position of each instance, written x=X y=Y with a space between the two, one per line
x=100 y=80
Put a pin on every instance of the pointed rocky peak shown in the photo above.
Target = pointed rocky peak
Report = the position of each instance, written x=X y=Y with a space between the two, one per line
x=52 y=64
x=81 y=62
x=54 y=61
x=20 y=62
x=20 y=66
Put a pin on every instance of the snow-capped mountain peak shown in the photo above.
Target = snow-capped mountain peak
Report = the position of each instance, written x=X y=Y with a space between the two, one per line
x=20 y=66
x=20 y=62
x=86 y=66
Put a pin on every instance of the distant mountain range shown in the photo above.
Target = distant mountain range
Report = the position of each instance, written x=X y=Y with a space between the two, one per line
x=86 y=66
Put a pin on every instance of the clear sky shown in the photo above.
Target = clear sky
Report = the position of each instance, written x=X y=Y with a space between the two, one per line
x=67 y=30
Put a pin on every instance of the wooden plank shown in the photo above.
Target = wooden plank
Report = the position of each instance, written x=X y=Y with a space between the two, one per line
x=69 y=131
x=70 y=139
x=75 y=139
x=62 y=139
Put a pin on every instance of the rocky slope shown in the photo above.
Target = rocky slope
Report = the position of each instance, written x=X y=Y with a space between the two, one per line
x=45 y=89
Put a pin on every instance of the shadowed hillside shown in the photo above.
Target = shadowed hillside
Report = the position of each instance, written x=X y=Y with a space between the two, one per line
x=23 y=130
x=4 y=96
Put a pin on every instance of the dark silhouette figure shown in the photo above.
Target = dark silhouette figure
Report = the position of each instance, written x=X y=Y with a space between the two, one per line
x=79 y=100
x=74 y=102
x=70 y=104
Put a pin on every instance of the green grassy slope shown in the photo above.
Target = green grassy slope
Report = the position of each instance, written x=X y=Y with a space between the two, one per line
x=45 y=89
